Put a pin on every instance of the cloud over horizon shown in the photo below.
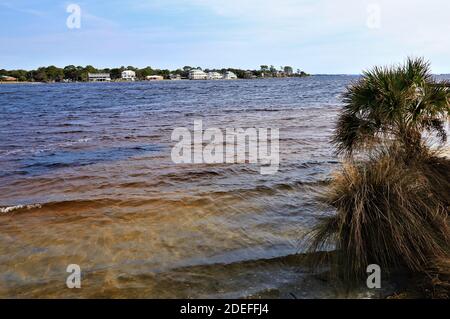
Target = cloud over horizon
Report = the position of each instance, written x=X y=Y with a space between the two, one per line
x=321 y=36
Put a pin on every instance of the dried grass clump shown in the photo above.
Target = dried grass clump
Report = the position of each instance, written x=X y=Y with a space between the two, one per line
x=389 y=212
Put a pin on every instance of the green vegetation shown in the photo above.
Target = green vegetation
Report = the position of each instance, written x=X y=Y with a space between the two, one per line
x=77 y=73
x=74 y=73
x=392 y=195
x=397 y=102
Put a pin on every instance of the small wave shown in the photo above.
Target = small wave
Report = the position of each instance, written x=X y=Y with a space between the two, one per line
x=70 y=132
x=9 y=209
x=247 y=258
x=45 y=148
x=268 y=190
x=195 y=174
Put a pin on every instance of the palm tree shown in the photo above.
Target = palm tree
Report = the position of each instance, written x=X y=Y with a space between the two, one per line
x=391 y=206
x=393 y=103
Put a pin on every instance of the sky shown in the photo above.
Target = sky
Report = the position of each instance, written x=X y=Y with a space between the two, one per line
x=317 y=36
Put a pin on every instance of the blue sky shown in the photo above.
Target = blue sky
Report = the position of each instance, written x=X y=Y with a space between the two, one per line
x=318 y=36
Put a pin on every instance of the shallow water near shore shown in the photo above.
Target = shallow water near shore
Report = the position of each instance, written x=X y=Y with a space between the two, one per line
x=87 y=179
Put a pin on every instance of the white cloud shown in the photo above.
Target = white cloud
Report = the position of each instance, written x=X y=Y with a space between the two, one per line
x=415 y=27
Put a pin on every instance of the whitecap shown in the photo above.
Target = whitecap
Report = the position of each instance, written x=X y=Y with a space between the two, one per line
x=10 y=209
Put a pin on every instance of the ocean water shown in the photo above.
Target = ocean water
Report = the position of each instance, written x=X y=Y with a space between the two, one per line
x=86 y=178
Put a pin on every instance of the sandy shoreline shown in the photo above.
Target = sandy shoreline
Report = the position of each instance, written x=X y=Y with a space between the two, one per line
x=17 y=82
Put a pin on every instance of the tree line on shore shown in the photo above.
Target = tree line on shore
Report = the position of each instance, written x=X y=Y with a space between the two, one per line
x=79 y=73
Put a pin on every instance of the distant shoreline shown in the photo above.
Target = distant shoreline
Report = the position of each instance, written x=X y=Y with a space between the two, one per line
x=21 y=82
x=151 y=81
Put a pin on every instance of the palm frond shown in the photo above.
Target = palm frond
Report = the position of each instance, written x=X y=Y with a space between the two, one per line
x=398 y=102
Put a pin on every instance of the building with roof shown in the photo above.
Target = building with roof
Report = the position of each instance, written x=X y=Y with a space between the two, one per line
x=154 y=78
x=196 y=74
x=229 y=76
x=175 y=77
x=99 y=77
x=214 y=76
x=7 y=78
x=129 y=75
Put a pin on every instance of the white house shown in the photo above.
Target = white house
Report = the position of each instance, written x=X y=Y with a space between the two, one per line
x=196 y=74
x=154 y=78
x=175 y=77
x=129 y=75
x=99 y=77
x=214 y=76
x=229 y=76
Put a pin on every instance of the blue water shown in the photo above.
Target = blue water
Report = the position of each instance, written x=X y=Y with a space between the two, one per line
x=87 y=178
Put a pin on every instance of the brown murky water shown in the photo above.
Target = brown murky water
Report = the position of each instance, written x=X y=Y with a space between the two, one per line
x=87 y=179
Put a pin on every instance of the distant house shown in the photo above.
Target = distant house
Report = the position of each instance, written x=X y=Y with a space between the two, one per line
x=154 y=78
x=196 y=74
x=7 y=78
x=249 y=75
x=214 y=76
x=129 y=75
x=99 y=77
x=229 y=76
x=175 y=77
